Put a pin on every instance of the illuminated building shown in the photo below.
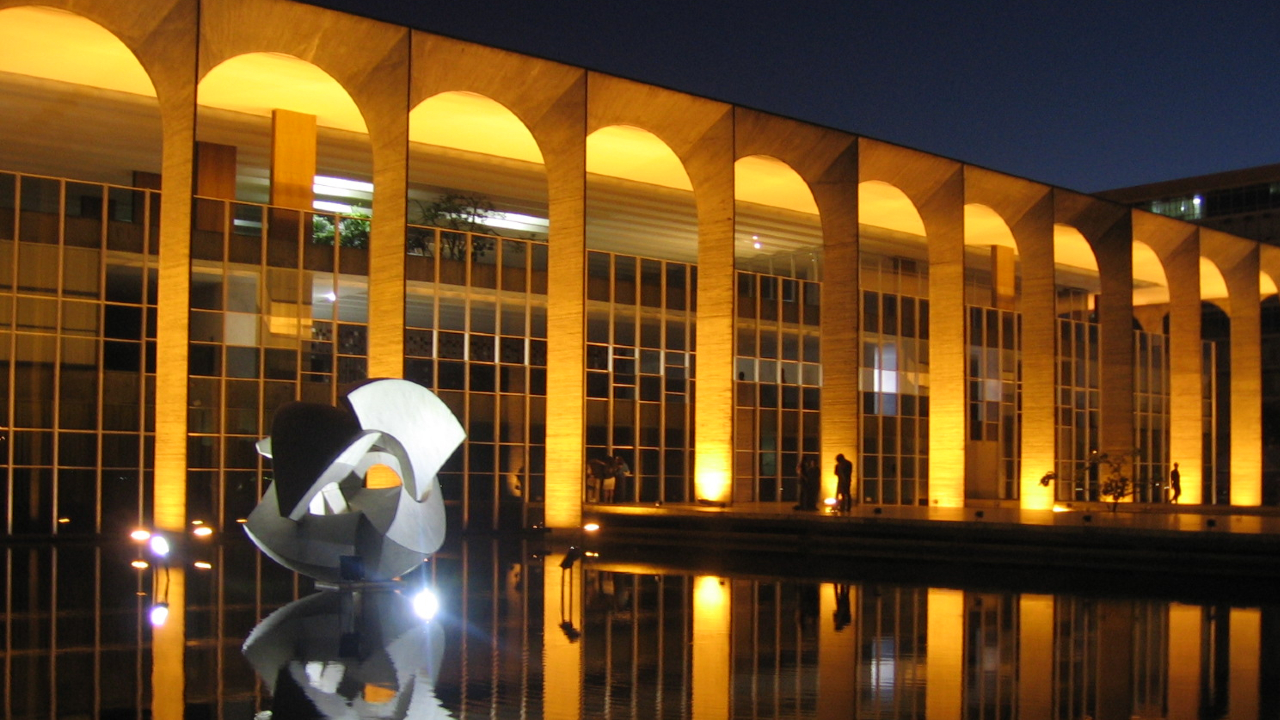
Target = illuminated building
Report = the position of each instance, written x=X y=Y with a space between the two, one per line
x=211 y=208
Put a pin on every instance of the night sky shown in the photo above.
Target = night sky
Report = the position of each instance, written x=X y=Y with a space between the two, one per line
x=1088 y=95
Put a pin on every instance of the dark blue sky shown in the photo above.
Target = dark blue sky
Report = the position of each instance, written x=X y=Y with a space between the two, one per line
x=1088 y=95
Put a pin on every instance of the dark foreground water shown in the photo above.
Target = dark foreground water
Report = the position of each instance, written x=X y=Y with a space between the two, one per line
x=622 y=634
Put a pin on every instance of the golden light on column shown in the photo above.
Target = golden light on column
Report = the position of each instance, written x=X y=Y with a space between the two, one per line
x=1246 y=657
x=945 y=654
x=711 y=659
x=1035 y=656
x=1184 y=661
x=168 y=643
x=837 y=650
x=561 y=632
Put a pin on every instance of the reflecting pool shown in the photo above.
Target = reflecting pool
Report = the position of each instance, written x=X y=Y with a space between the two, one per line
x=525 y=629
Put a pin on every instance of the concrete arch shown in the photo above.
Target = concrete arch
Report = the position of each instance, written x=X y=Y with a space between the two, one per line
x=1213 y=286
x=470 y=121
x=827 y=161
x=258 y=82
x=1072 y=250
x=1150 y=285
x=632 y=153
x=49 y=56
x=883 y=205
x=98 y=57
x=984 y=227
x=766 y=180
x=1267 y=285
x=775 y=214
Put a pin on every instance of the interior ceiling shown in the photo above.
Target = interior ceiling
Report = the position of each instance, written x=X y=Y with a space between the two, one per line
x=638 y=196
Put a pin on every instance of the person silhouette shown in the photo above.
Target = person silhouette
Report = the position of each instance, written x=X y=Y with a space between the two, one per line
x=844 y=483
x=1175 y=483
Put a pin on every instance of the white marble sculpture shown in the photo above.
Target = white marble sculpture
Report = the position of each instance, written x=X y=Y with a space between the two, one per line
x=318 y=518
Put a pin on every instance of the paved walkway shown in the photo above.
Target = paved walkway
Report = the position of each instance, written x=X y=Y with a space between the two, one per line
x=1158 y=519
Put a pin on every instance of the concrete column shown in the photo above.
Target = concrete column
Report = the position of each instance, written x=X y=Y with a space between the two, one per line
x=566 y=162
x=711 y=648
x=1034 y=234
x=841 y=321
x=1246 y=381
x=1115 y=335
x=293 y=159
x=837 y=651
x=1035 y=656
x=943 y=216
x=1181 y=258
x=389 y=138
x=711 y=165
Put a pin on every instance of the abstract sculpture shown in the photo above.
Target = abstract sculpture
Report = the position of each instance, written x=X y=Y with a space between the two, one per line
x=318 y=518
x=349 y=655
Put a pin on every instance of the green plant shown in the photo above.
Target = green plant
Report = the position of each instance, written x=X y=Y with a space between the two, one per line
x=456 y=215
x=351 y=230
x=1114 y=472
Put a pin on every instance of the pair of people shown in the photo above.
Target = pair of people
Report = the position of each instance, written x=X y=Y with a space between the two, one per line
x=608 y=475
x=810 y=484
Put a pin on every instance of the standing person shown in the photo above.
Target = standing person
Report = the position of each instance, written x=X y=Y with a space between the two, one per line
x=844 y=483
x=1175 y=483
x=622 y=472
x=807 y=481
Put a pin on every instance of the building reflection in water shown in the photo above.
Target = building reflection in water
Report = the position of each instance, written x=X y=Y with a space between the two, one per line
x=526 y=633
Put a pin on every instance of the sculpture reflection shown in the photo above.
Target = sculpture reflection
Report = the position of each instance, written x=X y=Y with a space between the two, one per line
x=365 y=654
x=320 y=518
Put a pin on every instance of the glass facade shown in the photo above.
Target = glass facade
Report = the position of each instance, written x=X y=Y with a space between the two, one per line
x=778 y=388
x=476 y=333
x=77 y=354
x=640 y=363
x=894 y=381
x=279 y=313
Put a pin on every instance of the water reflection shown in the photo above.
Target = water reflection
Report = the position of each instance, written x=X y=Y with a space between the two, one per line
x=524 y=631
x=361 y=654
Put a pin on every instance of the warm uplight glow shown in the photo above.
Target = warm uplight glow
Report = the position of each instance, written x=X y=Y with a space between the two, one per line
x=57 y=45
x=1061 y=508
x=633 y=154
x=381 y=476
x=830 y=502
x=159 y=546
x=984 y=227
x=140 y=564
x=159 y=614
x=766 y=181
x=591 y=527
x=474 y=123
x=202 y=531
x=140 y=535
x=1212 y=285
x=883 y=205
x=1266 y=285
x=426 y=604
x=1071 y=249
x=711 y=647
x=1149 y=284
x=63 y=521
x=258 y=83
x=201 y=564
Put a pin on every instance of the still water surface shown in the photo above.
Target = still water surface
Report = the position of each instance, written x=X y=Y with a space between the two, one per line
x=620 y=635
